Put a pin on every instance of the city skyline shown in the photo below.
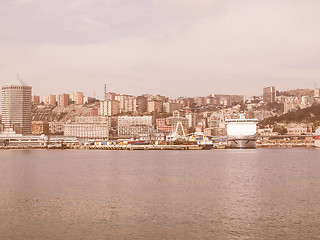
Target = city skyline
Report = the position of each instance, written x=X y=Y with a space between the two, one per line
x=173 y=48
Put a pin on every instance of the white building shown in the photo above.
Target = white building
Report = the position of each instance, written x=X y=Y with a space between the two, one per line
x=132 y=121
x=56 y=127
x=88 y=127
x=192 y=119
x=127 y=103
x=131 y=127
x=133 y=131
x=109 y=108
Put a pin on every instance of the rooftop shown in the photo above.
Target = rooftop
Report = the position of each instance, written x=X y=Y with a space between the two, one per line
x=16 y=82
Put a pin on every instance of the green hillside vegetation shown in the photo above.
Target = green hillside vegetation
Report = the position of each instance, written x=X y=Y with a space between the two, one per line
x=296 y=92
x=306 y=115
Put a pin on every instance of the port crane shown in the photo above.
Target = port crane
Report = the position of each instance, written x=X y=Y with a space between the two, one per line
x=176 y=134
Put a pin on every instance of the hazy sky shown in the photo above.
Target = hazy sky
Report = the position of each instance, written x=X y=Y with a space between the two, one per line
x=170 y=47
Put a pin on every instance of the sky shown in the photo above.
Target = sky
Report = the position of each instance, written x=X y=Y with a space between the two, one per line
x=168 y=47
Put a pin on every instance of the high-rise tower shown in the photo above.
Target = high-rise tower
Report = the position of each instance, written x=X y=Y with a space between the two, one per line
x=16 y=106
x=269 y=95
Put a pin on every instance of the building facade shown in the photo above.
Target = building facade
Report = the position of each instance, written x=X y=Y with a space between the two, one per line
x=56 y=128
x=16 y=106
x=109 y=108
x=77 y=98
x=132 y=121
x=130 y=127
x=50 y=100
x=63 y=99
x=95 y=127
x=269 y=95
x=40 y=127
x=154 y=107
x=36 y=99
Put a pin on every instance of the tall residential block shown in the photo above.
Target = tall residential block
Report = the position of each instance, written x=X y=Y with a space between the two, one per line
x=35 y=99
x=269 y=95
x=154 y=106
x=169 y=107
x=50 y=100
x=77 y=98
x=142 y=104
x=16 y=106
x=109 y=108
x=63 y=99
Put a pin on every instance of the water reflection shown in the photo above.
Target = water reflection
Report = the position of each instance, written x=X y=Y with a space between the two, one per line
x=249 y=194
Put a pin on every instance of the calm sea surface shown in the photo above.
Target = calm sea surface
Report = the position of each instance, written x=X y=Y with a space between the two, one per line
x=217 y=194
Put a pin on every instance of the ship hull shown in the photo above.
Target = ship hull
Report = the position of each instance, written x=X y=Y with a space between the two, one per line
x=207 y=146
x=242 y=143
x=317 y=138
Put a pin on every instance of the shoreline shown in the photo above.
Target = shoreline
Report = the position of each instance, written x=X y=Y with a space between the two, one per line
x=144 y=147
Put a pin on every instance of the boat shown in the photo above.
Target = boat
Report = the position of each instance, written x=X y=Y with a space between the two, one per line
x=241 y=132
x=138 y=143
x=206 y=144
x=317 y=138
x=203 y=141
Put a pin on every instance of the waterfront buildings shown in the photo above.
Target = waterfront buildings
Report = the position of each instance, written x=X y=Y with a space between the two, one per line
x=93 y=127
x=130 y=127
x=162 y=126
x=153 y=136
x=56 y=128
x=133 y=131
x=16 y=106
x=298 y=128
x=40 y=127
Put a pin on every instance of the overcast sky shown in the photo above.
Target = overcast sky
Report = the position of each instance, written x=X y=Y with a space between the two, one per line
x=171 y=47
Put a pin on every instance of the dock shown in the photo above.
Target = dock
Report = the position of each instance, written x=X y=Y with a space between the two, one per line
x=142 y=147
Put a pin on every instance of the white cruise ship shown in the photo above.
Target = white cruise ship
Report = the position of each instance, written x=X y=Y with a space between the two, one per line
x=242 y=132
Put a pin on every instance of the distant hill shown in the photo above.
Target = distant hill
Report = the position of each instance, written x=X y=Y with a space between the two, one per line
x=308 y=115
x=296 y=92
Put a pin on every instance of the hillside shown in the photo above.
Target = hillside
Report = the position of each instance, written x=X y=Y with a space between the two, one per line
x=308 y=115
x=62 y=114
x=296 y=92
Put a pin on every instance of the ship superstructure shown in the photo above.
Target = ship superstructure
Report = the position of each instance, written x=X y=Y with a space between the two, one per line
x=242 y=132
